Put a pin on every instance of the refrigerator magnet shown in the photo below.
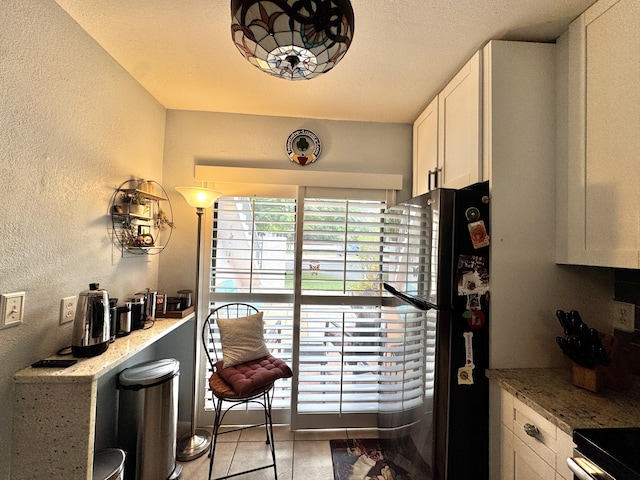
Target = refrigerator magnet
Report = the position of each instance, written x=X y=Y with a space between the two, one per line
x=475 y=318
x=468 y=349
x=465 y=375
x=479 y=235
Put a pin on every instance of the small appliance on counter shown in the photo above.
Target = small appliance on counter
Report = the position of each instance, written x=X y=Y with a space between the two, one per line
x=124 y=320
x=138 y=311
x=113 y=319
x=185 y=297
x=151 y=304
x=92 y=327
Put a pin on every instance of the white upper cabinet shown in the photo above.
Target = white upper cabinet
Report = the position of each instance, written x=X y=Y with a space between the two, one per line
x=460 y=132
x=447 y=136
x=425 y=149
x=599 y=175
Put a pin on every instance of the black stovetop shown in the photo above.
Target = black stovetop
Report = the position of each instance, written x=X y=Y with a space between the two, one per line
x=614 y=450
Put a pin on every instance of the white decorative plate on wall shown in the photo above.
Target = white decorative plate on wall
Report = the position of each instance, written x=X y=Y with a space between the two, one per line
x=303 y=147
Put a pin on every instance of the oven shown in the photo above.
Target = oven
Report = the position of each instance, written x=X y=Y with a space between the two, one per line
x=606 y=454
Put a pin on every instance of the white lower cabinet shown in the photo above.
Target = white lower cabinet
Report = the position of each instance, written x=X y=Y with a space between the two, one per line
x=531 y=447
x=529 y=466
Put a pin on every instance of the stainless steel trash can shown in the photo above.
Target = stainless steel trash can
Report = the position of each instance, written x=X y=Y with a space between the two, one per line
x=108 y=464
x=147 y=419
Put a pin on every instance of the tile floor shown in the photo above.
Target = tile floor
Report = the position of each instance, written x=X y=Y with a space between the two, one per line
x=300 y=455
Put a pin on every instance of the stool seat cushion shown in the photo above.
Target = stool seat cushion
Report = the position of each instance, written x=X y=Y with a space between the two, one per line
x=248 y=377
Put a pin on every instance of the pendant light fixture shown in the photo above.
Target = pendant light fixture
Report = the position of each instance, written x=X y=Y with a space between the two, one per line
x=292 y=39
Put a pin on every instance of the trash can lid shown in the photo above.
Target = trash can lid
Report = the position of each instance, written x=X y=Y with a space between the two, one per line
x=108 y=464
x=149 y=373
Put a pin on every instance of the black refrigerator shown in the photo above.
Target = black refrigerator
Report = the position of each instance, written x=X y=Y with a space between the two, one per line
x=450 y=279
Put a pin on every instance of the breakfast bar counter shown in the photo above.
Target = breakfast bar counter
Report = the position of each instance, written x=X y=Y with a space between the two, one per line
x=550 y=392
x=54 y=422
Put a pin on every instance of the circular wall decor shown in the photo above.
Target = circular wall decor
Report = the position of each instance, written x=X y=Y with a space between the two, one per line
x=303 y=147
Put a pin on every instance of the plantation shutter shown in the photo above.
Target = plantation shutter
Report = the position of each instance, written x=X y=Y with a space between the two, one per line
x=359 y=351
x=252 y=257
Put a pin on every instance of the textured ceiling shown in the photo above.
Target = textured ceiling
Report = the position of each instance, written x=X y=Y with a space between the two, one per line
x=403 y=53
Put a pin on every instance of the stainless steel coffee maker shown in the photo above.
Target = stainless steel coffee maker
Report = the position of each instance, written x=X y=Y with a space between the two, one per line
x=150 y=302
x=92 y=326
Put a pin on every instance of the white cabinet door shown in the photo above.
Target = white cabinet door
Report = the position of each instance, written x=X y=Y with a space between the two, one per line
x=425 y=149
x=521 y=456
x=602 y=212
x=460 y=132
x=529 y=466
x=447 y=136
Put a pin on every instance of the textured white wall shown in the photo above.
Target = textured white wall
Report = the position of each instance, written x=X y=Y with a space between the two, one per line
x=73 y=125
x=257 y=141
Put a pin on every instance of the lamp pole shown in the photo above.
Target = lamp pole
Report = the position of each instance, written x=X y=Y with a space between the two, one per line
x=197 y=441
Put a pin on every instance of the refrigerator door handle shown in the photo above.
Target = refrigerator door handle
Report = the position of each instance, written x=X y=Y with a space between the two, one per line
x=415 y=301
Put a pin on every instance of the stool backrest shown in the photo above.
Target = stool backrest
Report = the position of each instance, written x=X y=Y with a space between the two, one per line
x=230 y=310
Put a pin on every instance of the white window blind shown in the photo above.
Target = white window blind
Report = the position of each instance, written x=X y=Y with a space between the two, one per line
x=358 y=350
x=252 y=256
x=253 y=246
x=357 y=355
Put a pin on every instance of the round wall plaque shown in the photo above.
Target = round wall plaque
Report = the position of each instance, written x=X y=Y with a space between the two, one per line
x=303 y=147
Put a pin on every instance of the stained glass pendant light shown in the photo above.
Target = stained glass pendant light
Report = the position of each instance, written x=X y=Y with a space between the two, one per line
x=292 y=39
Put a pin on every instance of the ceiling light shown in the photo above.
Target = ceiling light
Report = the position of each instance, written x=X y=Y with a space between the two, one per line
x=292 y=39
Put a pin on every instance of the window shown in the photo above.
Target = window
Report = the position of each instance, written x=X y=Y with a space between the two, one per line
x=354 y=349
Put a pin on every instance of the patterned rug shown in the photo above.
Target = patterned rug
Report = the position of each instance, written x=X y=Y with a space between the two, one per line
x=378 y=459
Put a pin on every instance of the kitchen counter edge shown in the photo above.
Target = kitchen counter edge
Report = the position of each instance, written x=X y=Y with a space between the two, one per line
x=90 y=369
x=550 y=392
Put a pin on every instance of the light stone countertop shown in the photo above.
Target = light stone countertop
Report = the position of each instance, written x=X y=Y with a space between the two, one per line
x=549 y=392
x=90 y=369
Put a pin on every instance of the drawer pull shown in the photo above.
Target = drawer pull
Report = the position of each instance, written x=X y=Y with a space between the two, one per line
x=531 y=430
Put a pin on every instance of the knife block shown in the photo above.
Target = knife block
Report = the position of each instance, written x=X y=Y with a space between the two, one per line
x=616 y=376
x=592 y=379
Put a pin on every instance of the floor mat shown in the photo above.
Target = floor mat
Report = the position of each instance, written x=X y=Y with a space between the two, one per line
x=378 y=459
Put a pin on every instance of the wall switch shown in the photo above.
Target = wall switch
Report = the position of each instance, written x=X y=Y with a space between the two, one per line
x=624 y=316
x=11 y=309
x=67 y=309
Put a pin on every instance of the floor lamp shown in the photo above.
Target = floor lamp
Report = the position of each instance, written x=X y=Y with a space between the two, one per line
x=197 y=441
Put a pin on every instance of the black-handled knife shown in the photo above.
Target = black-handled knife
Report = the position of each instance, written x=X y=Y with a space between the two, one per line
x=562 y=318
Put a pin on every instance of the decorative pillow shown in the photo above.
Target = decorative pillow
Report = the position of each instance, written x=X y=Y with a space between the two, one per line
x=250 y=376
x=242 y=339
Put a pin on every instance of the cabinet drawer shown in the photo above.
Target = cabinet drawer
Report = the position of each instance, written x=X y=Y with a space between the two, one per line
x=528 y=465
x=535 y=431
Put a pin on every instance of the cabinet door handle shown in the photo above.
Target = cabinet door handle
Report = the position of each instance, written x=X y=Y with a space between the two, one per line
x=429 y=180
x=531 y=430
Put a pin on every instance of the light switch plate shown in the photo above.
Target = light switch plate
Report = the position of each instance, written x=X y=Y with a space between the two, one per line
x=11 y=309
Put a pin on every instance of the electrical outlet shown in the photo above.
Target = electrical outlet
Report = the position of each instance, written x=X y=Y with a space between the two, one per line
x=11 y=309
x=67 y=309
x=624 y=316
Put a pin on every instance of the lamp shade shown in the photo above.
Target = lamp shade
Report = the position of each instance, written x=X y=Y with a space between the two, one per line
x=292 y=39
x=199 y=197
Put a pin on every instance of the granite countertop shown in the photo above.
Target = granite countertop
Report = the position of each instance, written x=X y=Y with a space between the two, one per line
x=550 y=392
x=90 y=369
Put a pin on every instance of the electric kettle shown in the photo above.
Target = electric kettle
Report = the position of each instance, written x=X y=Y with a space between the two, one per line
x=92 y=327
